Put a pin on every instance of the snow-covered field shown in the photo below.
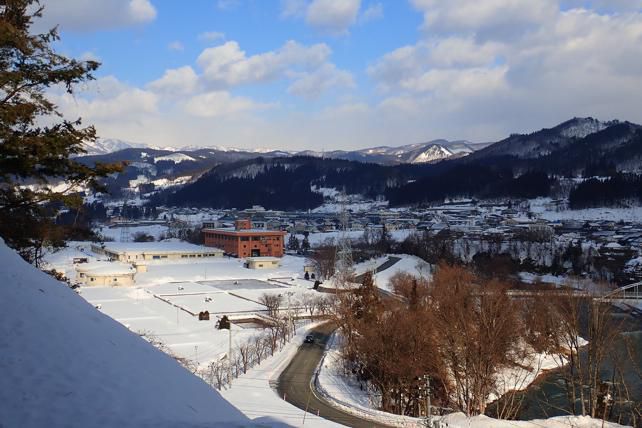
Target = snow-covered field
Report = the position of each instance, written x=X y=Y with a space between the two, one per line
x=539 y=207
x=157 y=231
x=408 y=264
x=64 y=364
x=320 y=237
x=166 y=299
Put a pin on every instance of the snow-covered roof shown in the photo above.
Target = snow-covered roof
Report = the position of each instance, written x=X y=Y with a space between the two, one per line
x=232 y=229
x=263 y=259
x=105 y=268
x=157 y=247
x=66 y=364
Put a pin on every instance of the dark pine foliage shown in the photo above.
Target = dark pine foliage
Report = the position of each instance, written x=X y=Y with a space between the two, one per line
x=617 y=190
x=471 y=181
x=273 y=188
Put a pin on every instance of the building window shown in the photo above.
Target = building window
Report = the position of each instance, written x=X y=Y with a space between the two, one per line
x=256 y=238
x=155 y=257
x=245 y=238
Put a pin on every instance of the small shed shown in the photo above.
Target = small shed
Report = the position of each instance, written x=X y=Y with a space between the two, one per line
x=105 y=274
x=262 y=262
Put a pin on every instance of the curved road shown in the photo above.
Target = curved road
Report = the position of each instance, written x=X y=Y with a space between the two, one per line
x=295 y=382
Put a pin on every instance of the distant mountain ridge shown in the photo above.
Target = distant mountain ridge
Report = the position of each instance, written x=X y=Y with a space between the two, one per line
x=405 y=174
x=432 y=151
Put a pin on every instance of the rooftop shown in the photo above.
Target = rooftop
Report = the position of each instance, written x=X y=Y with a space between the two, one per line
x=105 y=268
x=234 y=230
x=152 y=247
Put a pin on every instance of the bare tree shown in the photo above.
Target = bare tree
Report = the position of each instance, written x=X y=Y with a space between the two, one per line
x=309 y=302
x=258 y=347
x=324 y=257
x=272 y=302
x=245 y=352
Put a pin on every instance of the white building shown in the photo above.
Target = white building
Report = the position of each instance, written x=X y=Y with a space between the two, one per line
x=105 y=274
x=134 y=252
x=262 y=262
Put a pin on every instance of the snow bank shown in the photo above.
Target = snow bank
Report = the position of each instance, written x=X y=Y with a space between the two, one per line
x=65 y=364
x=408 y=264
x=461 y=420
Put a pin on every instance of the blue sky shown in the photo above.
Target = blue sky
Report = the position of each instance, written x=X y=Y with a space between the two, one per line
x=342 y=74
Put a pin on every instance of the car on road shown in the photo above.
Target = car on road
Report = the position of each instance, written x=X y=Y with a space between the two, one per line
x=309 y=339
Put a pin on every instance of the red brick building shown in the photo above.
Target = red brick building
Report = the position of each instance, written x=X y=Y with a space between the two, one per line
x=243 y=241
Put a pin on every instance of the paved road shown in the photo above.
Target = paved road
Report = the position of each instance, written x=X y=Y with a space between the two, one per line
x=383 y=266
x=294 y=382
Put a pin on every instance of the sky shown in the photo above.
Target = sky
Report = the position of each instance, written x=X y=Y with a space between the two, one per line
x=346 y=74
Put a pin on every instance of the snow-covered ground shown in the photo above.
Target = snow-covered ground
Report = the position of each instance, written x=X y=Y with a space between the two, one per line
x=64 y=364
x=531 y=278
x=610 y=214
x=354 y=207
x=408 y=264
x=157 y=231
x=320 y=237
x=460 y=420
x=540 y=206
x=166 y=299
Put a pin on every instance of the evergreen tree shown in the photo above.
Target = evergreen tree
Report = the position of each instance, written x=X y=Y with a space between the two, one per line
x=293 y=242
x=36 y=145
x=305 y=245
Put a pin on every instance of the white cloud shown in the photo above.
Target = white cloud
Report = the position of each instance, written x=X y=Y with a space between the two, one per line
x=227 y=4
x=220 y=103
x=488 y=19
x=313 y=84
x=177 y=81
x=463 y=77
x=372 y=13
x=332 y=16
x=176 y=46
x=92 y=15
x=89 y=56
x=293 y=8
x=227 y=65
x=107 y=99
x=211 y=36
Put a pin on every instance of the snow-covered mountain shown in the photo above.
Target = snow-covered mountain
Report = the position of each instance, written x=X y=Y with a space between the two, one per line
x=545 y=141
x=432 y=154
x=431 y=151
x=105 y=146
x=65 y=364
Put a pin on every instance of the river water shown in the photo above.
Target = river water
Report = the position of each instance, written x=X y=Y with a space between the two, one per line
x=547 y=397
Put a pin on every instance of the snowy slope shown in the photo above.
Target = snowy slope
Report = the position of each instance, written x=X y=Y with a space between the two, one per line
x=174 y=157
x=431 y=154
x=104 y=146
x=64 y=364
